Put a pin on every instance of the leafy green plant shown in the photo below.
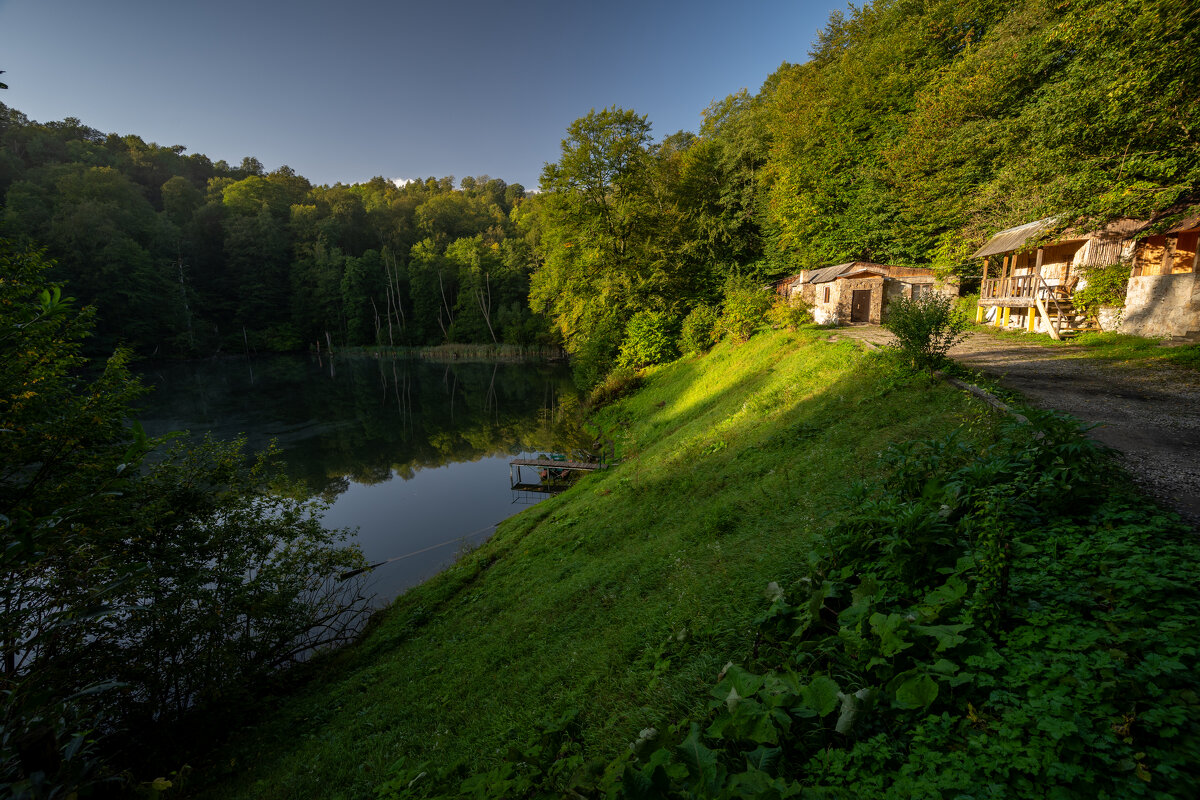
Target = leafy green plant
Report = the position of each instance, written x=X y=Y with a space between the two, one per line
x=1102 y=286
x=616 y=384
x=699 y=331
x=789 y=314
x=130 y=595
x=925 y=328
x=744 y=308
x=649 y=339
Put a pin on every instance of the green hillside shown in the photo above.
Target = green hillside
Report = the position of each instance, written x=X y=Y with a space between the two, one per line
x=1025 y=625
x=622 y=598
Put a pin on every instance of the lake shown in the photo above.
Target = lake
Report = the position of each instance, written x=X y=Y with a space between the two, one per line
x=414 y=454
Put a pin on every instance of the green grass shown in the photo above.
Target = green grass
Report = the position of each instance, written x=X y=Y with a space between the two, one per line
x=622 y=598
x=1108 y=346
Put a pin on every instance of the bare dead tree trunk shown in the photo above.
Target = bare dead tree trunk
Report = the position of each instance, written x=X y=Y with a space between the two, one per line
x=487 y=309
x=376 y=310
x=395 y=272
x=442 y=288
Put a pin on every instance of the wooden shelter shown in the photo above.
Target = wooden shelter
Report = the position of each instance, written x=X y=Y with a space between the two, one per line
x=1029 y=276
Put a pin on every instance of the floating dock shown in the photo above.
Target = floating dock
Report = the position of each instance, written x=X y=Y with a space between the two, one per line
x=551 y=472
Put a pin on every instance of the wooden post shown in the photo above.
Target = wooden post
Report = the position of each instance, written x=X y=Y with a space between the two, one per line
x=979 y=314
x=1030 y=318
x=1007 y=311
x=1168 y=259
x=983 y=282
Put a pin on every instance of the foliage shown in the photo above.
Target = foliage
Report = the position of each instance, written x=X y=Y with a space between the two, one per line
x=649 y=339
x=925 y=327
x=621 y=381
x=699 y=330
x=789 y=314
x=241 y=258
x=131 y=594
x=1102 y=286
x=596 y=355
x=935 y=634
x=745 y=307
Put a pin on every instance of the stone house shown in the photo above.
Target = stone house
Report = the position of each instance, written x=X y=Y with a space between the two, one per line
x=859 y=291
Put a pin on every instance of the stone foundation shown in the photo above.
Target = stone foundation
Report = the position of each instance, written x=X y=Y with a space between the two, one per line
x=1162 y=305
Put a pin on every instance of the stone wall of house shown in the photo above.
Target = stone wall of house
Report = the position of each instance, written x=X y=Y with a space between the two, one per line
x=845 y=291
x=1162 y=305
x=823 y=313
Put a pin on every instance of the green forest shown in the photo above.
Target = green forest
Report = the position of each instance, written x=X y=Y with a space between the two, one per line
x=915 y=130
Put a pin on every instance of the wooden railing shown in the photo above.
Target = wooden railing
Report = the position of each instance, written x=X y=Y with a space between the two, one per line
x=1012 y=286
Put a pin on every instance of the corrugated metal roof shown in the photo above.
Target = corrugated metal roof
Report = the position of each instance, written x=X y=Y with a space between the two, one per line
x=1008 y=240
x=827 y=274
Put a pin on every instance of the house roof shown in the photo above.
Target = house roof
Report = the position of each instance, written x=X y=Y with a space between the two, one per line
x=1186 y=224
x=1010 y=239
x=865 y=270
x=827 y=274
x=1014 y=238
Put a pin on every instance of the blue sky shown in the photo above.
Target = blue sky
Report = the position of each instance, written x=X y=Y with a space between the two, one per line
x=343 y=91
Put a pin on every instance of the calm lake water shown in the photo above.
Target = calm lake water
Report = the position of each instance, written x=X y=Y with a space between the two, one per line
x=414 y=454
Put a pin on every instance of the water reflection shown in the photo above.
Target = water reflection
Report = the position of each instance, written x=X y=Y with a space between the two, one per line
x=413 y=453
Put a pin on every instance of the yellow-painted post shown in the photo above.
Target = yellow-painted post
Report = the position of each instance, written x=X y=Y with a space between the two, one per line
x=1030 y=318
x=1006 y=312
x=979 y=314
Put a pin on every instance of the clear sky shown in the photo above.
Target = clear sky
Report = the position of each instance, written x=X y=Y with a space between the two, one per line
x=344 y=91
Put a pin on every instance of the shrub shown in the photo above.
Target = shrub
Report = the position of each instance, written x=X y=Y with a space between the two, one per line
x=925 y=328
x=789 y=315
x=1103 y=286
x=746 y=304
x=649 y=339
x=699 y=329
x=618 y=383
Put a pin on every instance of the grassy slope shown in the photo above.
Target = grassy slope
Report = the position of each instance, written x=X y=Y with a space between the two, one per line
x=732 y=462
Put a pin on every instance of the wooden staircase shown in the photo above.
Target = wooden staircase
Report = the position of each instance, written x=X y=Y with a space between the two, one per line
x=1067 y=320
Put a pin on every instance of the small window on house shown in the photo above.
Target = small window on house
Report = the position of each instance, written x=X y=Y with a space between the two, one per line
x=826 y=294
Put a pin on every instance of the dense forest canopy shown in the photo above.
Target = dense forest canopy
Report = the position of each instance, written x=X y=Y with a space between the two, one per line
x=915 y=129
x=184 y=256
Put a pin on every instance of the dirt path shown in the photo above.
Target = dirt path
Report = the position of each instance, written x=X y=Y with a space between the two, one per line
x=1149 y=413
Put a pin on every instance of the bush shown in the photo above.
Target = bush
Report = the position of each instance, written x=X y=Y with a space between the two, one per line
x=746 y=304
x=618 y=383
x=699 y=329
x=649 y=339
x=1104 y=286
x=925 y=328
x=789 y=315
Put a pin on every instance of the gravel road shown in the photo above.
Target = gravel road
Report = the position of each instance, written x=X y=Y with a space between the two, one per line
x=1150 y=414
